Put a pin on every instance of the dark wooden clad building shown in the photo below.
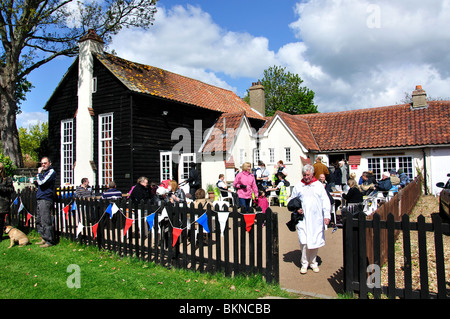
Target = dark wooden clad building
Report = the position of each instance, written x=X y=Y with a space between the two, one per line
x=113 y=119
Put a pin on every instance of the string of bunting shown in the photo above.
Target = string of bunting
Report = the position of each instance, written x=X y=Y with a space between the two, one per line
x=112 y=209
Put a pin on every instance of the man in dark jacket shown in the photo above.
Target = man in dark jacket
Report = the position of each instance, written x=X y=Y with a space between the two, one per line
x=45 y=179
x=384 y=185
x=193 y=180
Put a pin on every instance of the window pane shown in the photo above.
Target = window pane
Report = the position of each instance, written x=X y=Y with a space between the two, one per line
x=106 y=148
x=67 y=152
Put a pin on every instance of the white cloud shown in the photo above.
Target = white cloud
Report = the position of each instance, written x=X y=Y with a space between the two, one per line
x=352 y=53
x=26 y=119
x=371 y=52
x=187 y=39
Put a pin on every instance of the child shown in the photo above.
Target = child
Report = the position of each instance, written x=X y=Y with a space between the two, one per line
x=262 y=201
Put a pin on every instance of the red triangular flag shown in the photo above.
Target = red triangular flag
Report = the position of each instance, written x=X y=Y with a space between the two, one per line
x=128 y=223
x=94 y=230
x=176 y=233
x=66 y=210
x=249 y=221
x=28 y=218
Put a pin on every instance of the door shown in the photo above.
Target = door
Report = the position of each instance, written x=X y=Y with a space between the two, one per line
x=183 y=169
x=165 y=168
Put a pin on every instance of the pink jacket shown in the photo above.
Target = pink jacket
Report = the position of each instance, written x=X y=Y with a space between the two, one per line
x=263 y=203
x=245 y=178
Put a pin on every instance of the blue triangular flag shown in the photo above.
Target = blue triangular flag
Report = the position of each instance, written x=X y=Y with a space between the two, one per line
x=15 y=201
x=74 y=206
x=150 y=219
x=109 y=211
x=203 y=220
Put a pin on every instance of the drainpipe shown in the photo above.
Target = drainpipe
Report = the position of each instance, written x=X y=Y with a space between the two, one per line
x=425 y=172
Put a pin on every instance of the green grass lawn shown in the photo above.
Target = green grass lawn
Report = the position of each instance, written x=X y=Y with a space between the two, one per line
x=32 y=272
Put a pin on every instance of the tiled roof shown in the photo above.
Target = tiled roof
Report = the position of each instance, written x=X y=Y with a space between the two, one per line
x=380 y=127
x=217 y=142
x=299 y=127
x=164 y=84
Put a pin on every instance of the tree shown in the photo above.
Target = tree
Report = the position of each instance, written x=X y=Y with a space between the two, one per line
x=284 y=92
x=34 y=32
x=33 y=139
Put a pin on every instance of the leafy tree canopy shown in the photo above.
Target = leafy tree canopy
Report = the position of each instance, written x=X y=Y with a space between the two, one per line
x=34 y=32
x=283 y=91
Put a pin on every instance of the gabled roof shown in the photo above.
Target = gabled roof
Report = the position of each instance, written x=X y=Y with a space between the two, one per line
x=298 y=127
x=217 y=141
x=380 y=127
x=164 y=84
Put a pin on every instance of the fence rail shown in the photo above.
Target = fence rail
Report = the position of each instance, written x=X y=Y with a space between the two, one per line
x=236 y=242
x=369 y=244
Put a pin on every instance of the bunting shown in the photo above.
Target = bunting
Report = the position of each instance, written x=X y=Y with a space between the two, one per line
x=112 y=209
x=203 y=220
x=28 y=218
x=21 y=207
x=176 y=233
x=223 y=219
x=249 y=221
x=66 y=211
x=128 y=223
x=150 y=219
x=79 y=229
x=94 y=230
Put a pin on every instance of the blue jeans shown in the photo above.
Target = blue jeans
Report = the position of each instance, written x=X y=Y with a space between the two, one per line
x=245 y=203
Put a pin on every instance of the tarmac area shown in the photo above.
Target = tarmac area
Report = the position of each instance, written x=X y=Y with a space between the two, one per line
x=325 y=284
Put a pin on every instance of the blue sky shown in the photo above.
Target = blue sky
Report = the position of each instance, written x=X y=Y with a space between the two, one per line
x=353 y=54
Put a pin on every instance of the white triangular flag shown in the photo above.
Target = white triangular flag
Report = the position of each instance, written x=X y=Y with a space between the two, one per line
x=164 y=213
x=79 y=229
x=223 y=218
x=20 y=207
x=114 y=209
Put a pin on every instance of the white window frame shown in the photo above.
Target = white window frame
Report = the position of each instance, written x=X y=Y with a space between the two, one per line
x=184 y=165
x=105 y=137
x=271 y=155
x=67 y=156
x=256 y=155
x=380 y=164
x=287 y=154
x=165 y=165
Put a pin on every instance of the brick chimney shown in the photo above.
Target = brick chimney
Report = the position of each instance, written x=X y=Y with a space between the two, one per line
x=257 y=98
x=88 y=45
x=419 y=98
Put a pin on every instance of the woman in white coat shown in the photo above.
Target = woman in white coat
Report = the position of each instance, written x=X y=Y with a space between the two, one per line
x=316 y=214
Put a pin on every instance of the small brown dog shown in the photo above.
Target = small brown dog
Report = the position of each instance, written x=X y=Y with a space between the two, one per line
x=16 y=235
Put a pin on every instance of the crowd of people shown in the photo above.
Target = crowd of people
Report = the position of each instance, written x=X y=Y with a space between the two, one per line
x=310 y=198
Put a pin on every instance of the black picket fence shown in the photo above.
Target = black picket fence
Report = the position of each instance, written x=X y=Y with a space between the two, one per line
x=244 y=243
x=363 y=275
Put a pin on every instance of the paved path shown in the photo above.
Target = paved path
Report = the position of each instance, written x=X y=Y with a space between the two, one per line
x=325 y=284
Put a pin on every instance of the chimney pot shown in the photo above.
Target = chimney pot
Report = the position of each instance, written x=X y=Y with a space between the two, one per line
x=419 y=98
